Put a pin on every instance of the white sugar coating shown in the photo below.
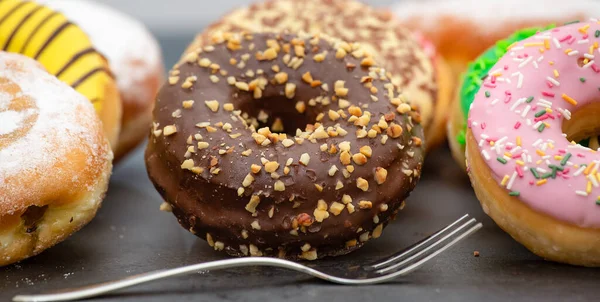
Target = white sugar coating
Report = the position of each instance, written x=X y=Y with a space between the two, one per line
x=10 y=121
x=65 y=120
x=492 y=13
x=130 y=48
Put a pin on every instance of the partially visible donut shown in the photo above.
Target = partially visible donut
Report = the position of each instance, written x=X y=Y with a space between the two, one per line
x=66 y=51
x=352 y=21
x=283 y=145
x=134 y=56
x=464 y=29
x=54 y=159
x=470 y=84
x=529 y=174
x=445 y=92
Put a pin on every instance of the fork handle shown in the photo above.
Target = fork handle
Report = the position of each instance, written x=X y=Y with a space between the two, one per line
x=108 y=287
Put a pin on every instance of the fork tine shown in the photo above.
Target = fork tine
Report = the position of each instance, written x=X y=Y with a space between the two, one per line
x=407 y=269
x=457 y=234
x=415 y=247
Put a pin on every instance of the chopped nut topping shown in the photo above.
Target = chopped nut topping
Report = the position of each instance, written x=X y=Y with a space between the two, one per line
x=336 y=208
x=228 y=107
x=254 y=251
x=377 y=231
x=242 y=86
x=332 y=170
x=350 y=208
x=165 y=207
x=310 y=255
x=366 y=151
x=365 y=204
x=271 y=166
x=287 y=142
x=394 y=130
x=210 y=240
x=255 y=225
x=339 y=185
x=248 y=180
x=279 y=186
x=304 y=159
x=252 y=204
x=281 y=77
x=345 y=157
x=362 y=184
x=359 y=158
x=290 y=91
x=188 y=104
x=380 y=175
x=203 y=145
x=255 y=168
x=383 y=207
x=403 y=108
x=212 y=105
x=169 y=130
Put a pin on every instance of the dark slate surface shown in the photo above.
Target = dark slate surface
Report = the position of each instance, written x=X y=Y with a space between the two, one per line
x=130 y=236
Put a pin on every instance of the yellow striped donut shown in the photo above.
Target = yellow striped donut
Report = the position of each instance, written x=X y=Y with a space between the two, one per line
x=64 y=50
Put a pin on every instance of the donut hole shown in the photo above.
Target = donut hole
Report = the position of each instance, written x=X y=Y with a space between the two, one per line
x=584 y=126
x=279 y=114
x=582 y=61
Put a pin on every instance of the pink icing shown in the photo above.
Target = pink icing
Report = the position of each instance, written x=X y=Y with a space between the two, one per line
x=501 y=116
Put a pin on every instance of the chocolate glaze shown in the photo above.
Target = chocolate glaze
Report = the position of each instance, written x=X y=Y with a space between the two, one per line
x=209 y=204
x=352 y=21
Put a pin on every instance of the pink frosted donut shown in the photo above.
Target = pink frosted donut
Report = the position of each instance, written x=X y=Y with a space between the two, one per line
x=528 y=172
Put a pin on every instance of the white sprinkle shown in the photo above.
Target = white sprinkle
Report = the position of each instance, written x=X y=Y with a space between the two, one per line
x=517 y=48
x=556 y=43
x=592 y=178
x=581 y=193
x=474 y=124
x=511 y=181
x=573 y=53
x=553 y=81
x=495 y=101
x=537 y=125
x=526 y=111
x=541 y=170
x=588 y=56
x=520 y=81
x=545 y=102
x=517 y=103
x=579 y=171
x=485 y=154
x=528 y=121
x=496 y=71
x=525 y=62
x=535 y=64
x=481 y=142
x=583 y=41
x=537 y=142
x=588 y=64
x=540 y=58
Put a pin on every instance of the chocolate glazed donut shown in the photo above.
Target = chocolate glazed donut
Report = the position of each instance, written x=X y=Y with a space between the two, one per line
x=228 y=155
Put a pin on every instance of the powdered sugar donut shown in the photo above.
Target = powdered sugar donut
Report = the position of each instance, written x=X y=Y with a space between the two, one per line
x=134 y=57
x=54 y=159
x=531 y=178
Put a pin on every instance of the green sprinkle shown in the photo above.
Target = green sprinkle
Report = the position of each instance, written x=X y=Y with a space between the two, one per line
x=598 y=202
x=548 y=175
x=572 y=22
x=535 y=173
x=565 y=159
x=597 y=33
x=541 y=127
x=487 y=94
x=529 y=99
x=502 y=160
x=540 y=113
x=555 y=167
x=514 y=193
x=582 y=80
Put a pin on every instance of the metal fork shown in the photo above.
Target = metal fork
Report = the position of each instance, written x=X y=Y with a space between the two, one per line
x=386 y=269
